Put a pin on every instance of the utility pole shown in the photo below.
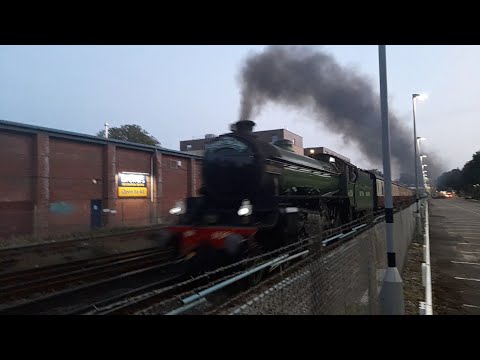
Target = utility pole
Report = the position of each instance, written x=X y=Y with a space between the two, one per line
x=392 y=298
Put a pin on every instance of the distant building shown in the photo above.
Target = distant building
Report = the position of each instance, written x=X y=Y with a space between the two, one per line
x=323 y=150
x=197 y=146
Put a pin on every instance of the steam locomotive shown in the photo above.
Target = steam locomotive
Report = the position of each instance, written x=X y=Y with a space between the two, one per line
x=257 y=197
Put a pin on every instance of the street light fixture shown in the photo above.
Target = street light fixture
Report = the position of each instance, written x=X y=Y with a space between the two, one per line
x=421 y=97
x=415 y=143
x=418 y=141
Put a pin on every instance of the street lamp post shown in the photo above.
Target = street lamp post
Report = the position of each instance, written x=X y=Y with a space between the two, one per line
x=392 y=297
x=415 y=142
x=424 y=172
x=414 y=96
x=418 y=147
x=415 y=150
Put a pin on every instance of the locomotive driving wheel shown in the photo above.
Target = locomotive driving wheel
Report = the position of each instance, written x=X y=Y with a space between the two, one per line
x=336 y=218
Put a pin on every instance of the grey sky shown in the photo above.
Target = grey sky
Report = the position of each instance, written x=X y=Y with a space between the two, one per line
x=182 y=92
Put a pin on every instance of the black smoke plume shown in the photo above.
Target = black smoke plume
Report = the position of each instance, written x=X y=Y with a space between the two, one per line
x=339 y=97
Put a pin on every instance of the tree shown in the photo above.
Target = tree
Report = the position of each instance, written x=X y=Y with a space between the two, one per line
x=132 y=133
x=471 y=174
x=408 y=179
x=450 y=180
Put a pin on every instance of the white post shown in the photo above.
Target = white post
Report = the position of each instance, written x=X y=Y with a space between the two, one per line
x=428 y=285
x=392 y=298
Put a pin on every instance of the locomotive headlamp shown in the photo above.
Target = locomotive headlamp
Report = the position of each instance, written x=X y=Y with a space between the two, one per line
x=245 y=209
x=178 y=209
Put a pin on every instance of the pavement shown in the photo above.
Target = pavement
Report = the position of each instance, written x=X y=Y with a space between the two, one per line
x=455 y=256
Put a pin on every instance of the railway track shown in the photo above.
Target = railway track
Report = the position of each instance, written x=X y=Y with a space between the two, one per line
x=10 y=256
x=129 y=302
x=121 y=284
x=218 y=294
x=143 y=298
x=17 y=277
x=61 y=287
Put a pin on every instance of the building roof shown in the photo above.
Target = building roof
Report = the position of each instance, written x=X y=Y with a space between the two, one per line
x=255 y=132
x=19 y=127
x=324 y=150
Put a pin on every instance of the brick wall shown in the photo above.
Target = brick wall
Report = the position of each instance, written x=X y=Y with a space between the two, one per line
x=175 y=182
x=16 y=184
x=134 y=211
x=49 y=180
x=73 y=168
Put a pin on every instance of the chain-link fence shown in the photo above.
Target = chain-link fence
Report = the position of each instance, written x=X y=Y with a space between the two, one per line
x=344 y=280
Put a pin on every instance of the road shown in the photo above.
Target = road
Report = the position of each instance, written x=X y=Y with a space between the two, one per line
x=455 y=256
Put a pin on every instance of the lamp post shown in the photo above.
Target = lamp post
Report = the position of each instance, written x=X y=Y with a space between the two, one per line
x=424 y=173
x=418 y=147
x=415 y=143
x=392 y=297
x=418 y=142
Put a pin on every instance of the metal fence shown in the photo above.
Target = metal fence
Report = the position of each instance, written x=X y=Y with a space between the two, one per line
x=344 y=280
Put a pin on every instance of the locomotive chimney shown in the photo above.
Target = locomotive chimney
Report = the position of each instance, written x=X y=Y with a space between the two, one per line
x=243 y=127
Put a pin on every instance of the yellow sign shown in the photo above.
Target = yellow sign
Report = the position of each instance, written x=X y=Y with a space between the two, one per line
x=131 y=191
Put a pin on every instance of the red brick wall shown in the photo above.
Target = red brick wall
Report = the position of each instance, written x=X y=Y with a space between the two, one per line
x=175 y=182
x=41 y=159
x=16 y=184
x=47 y=184
x=109 y=184
x=73 y=166
x=131 y=211
x=198 y=176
